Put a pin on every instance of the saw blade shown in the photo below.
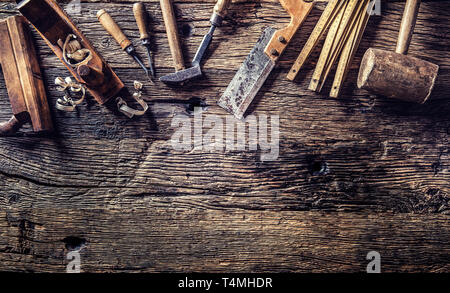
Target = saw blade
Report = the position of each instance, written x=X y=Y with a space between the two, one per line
x=249 y=79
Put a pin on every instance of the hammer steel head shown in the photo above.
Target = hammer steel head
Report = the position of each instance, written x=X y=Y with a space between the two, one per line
x=397 y=76
x=182 y=75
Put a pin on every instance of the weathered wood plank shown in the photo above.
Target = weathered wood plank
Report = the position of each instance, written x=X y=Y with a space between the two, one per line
x=125 y=237
x=351 y=172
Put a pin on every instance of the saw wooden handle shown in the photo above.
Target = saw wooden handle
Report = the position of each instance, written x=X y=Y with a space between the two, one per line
x=112 y=28
x=299 y=11
x=141 y=19
x=221 y=7
x=172 y=34
x=407 y=26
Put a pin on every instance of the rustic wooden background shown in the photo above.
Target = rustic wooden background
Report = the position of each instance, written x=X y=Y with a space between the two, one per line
x=356 y=174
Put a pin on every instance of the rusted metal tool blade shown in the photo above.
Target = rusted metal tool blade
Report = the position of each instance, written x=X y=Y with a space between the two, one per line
x=249 y=79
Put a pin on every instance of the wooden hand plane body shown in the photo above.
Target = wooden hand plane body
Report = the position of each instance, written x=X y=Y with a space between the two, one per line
x=60 y=33
x=23 y=78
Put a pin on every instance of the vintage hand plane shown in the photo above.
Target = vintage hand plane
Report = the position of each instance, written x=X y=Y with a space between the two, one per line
x=23 y=78
x=72 y=48
x=262 y=59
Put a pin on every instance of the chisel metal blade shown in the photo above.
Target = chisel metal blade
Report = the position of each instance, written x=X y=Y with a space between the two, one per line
x=249 y=79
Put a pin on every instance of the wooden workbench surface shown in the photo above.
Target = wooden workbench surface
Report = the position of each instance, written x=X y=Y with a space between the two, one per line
x=354 y=174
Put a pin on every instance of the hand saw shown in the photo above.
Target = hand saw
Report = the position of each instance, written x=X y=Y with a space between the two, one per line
x=262 y=60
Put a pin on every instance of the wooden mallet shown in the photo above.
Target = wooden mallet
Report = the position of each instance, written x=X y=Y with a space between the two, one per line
x=395 y=75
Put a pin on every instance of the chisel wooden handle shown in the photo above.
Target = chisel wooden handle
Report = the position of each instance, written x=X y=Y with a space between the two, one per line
x=172 y=34
x=407 y=26
x=141 y=19
x=112 y=28
x=299 y=11
x=221 y=7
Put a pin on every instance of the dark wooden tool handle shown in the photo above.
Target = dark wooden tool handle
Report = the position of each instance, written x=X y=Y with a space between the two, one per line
x=221 y=7
x=141 y=19
x=112 y=28
x=299 y=11
x=407 y=26
x=172 y=34
x=10 y=127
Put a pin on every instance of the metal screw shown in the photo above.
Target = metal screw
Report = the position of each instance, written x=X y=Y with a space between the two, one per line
x=282 y=39
x=274 y=52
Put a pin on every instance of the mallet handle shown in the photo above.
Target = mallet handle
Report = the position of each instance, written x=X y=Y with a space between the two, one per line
x=172 y=34
x=407 y=26
x=298 y=11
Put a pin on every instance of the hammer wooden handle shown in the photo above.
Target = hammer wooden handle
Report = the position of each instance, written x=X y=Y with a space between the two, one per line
x=407 y=26
x=141 y=19
x=112 y=28
x=172 y=34
x=221 y=7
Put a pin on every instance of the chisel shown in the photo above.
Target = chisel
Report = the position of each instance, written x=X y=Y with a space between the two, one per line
x=330 y=49
x=114 y=30
x=142 y=21
x=216 y=21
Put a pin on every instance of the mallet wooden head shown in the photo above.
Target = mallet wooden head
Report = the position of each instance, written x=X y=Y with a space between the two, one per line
x=23 y=78
x=395 y=75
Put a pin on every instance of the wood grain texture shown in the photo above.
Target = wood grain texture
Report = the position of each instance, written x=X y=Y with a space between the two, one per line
x=354 y=174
